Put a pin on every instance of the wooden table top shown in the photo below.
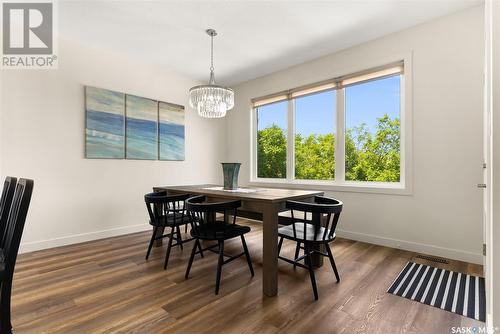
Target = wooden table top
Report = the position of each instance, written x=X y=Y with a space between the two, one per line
x=261 y=194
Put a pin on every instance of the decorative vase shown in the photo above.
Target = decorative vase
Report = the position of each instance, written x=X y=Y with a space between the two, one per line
x=231 y=171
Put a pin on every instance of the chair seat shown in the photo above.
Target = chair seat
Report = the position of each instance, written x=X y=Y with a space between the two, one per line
x=169 y=220
x=287 y=232
x=219 y=231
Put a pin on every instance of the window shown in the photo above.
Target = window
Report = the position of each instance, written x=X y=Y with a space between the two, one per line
x=346 y=131
x=272 y=140
x=314 y=136
x=372 y=131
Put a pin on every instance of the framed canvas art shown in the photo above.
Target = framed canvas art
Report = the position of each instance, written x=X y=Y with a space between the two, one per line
x=105 y=123
x=171 y=131
x=123 y=126
x=141 y=128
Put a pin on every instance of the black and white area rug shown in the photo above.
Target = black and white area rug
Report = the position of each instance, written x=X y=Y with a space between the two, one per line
x=451 y=291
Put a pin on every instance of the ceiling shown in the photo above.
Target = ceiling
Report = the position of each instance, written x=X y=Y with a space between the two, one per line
x=255 y=37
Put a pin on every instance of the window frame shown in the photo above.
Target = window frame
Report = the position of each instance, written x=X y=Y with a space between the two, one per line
x=403 y=187
x=255 y=147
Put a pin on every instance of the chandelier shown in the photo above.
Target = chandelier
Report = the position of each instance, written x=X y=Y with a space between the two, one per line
x=211 y=101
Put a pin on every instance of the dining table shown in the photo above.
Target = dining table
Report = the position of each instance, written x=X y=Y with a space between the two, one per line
x=257 y=203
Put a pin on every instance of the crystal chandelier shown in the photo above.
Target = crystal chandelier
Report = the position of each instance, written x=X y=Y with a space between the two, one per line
x=211 y=101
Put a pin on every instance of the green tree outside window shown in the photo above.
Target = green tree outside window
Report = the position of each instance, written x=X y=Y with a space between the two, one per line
x=369 y=156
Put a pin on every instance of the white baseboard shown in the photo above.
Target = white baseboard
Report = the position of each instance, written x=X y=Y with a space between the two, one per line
x=448 y=253
x=77 y=238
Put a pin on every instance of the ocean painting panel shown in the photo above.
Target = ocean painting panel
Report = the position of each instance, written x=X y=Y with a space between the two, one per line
x=105 y=123
x=171 y=131
x=142 y=128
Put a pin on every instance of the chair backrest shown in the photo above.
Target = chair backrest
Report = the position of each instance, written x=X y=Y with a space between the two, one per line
x=9 y=186
x=15 y=223
x=322 y=207
x=159 y=204
x=203 y=215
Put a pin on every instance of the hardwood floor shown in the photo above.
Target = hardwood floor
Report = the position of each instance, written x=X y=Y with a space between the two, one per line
x=106 y=286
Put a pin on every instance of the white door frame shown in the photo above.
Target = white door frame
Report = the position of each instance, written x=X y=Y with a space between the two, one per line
x=488 y=161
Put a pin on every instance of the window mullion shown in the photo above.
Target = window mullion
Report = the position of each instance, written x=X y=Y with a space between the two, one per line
x=340 y=137
x=254 y=130
x=290 y=151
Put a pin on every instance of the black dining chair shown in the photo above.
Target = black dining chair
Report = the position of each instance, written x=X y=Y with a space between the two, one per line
x=15 y=226
x=167 y=212
x=312 y=225
x=206 y=226
x=9 y=186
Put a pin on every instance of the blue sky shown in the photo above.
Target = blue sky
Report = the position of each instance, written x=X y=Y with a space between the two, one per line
x=316 y=113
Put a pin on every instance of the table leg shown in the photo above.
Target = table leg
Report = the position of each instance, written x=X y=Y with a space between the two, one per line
x=159 y=233
x=270 y=250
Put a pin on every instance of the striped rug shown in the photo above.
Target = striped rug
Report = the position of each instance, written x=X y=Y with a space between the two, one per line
x=451 y=291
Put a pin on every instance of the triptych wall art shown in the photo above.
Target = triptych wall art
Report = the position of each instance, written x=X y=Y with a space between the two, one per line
x=123 y=126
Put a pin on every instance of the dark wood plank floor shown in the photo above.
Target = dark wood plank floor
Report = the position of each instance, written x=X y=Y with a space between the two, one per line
x=106 y=286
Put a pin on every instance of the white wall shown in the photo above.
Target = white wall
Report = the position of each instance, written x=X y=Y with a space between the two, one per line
x=494 y=246
x=42 y=137
x=442 y=216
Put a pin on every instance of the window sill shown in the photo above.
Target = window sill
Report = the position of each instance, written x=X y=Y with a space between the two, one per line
x=358 y=187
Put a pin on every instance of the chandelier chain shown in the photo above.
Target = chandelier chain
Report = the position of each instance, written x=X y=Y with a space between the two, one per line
x=211 y=53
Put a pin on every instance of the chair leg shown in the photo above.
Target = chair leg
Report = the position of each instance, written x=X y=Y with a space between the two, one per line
x=179 y=237
x=191 y=258
x=186 y=228
x=5 y=324
x=169 y=246
x=219 y=266
x=199 y=246
x=297 y=250
x=332 y=261
x=151 y=242
x=247 y=254
x=311 y=270
x=280 y=243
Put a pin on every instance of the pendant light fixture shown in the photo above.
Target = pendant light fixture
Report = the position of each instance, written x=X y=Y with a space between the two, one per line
x=211 y=101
